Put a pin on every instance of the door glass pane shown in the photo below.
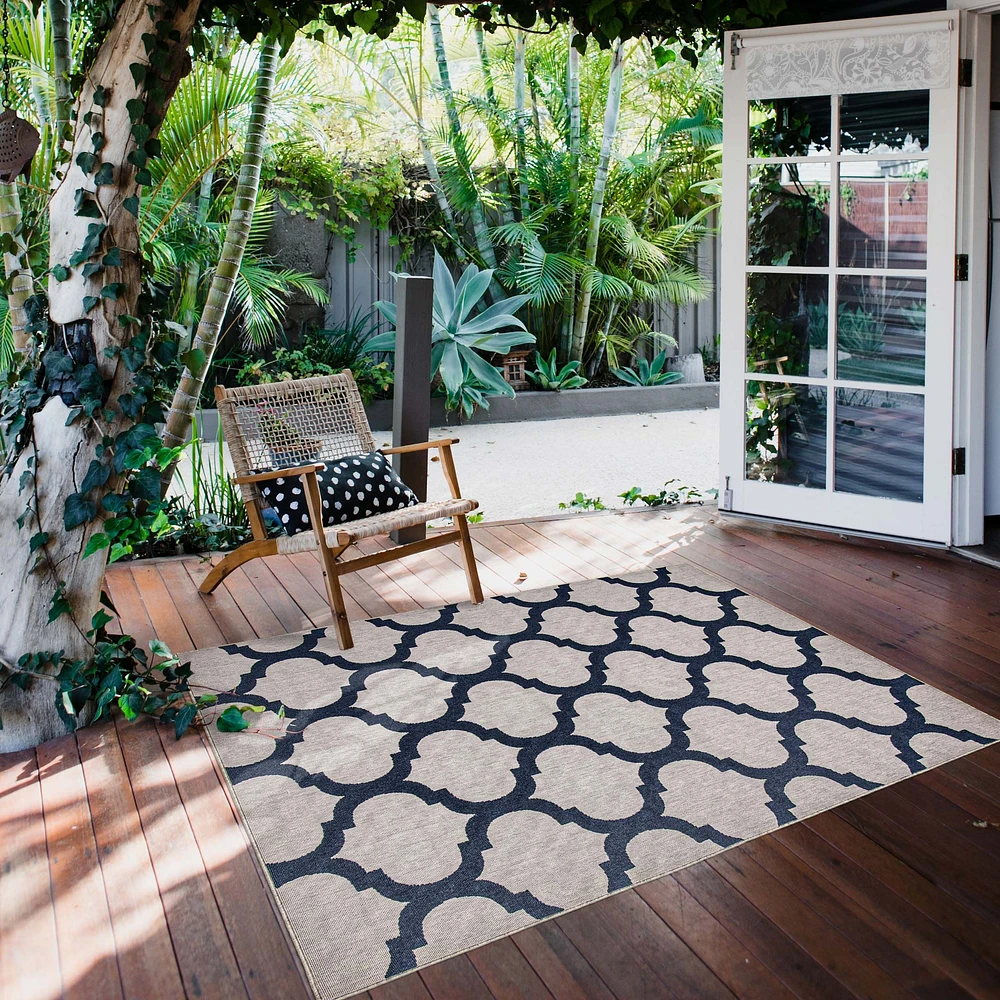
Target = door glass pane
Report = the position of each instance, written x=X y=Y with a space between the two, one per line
x=787 y=320
x=788 y=222
x=885 y=124
x=791 y=126
x=881 y=325
x=879 y=450
x=786 y=434
x=883 y=213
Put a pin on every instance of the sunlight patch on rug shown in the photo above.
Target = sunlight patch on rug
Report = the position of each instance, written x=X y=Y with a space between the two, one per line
x=464 y=772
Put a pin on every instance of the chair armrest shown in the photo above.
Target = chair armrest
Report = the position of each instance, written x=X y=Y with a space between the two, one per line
x=299 y=470
x=421 y=446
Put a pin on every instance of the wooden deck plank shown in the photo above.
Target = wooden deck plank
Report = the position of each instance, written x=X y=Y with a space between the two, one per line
x=888 y=894
x=145 y=951
x=202 y=946
x=79 y=894
x=263 y=953
x=220 y=604
x=29 y=952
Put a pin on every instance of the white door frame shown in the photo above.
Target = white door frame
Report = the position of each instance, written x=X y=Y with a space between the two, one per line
x=793 y=503
x=970 y=298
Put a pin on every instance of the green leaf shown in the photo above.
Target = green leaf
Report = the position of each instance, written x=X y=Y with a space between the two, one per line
x=60 y=273
x=89 y=301
x=106 y=175
x=138 y=71
x=417 y=9
x=97 y=475
x=184 y=719
x=96 y=543
x=113 y=258
x=231 y=720
x=135 y=108
x=131 y=205
x=37 y=541
x=77 y=511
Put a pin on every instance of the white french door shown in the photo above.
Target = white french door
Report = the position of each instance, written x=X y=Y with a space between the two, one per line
x=838 y=271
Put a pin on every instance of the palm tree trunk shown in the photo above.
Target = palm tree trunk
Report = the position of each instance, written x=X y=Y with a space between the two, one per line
x=62 y=53
x=519 y=115
x=220 y=292
x=187 y=309
x=500 y=171
x=611 y=112
x=15 y=266
x=479 y=227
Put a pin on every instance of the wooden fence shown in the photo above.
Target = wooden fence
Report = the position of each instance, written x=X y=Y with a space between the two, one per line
x=355 y=285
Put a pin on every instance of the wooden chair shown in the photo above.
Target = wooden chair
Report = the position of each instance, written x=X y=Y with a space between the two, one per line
x=294 y=428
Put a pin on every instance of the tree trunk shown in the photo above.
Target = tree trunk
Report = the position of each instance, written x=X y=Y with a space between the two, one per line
x=62 y=53
x=62 y=454
x=611 y=112
x=479 y=227
x=15 y=266
x=185 y=400
x=521 y=155
x=500 y=172
x=187 y=310
x=573 y=147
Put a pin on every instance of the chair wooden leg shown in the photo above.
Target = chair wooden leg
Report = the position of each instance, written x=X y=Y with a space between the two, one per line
x=469 y=559
x=331 y=573
x=246 y=552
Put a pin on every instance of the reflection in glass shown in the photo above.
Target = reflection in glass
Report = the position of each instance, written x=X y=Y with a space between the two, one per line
x=786 y=434
x=885 y=124
x=881 y=324
x=788 y=222
x=787 y=323
x=879 y=450
x=883 y=214
x=790 y=126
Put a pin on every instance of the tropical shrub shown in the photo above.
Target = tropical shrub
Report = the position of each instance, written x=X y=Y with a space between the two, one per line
x=548 y=374
x=648 y=373
x=460 y=335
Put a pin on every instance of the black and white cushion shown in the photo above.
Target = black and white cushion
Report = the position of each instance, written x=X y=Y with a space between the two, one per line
x=354 y=487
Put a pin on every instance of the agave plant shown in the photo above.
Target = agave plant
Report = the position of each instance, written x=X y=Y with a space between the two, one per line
x=549 y=376
x=459 y=334
x=649 y=373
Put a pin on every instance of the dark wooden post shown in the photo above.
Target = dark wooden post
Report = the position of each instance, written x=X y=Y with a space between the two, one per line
x=411 y=404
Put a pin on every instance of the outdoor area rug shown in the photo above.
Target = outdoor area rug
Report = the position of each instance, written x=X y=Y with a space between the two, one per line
x=464 y=772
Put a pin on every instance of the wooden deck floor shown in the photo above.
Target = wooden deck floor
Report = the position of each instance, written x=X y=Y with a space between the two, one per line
x=125 y=873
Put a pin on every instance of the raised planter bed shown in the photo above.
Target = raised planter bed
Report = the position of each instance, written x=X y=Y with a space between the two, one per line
x=546 y=405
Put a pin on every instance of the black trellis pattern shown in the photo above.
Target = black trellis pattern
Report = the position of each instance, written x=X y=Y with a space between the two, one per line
x=468 y=880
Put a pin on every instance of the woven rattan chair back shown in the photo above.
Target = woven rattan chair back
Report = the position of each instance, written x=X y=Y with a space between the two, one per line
x=282 y=425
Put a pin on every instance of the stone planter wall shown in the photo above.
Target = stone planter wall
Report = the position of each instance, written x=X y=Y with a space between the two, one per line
x=545 y=405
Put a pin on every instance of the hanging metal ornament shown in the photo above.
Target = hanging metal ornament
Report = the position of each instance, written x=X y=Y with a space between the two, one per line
x=18 y=139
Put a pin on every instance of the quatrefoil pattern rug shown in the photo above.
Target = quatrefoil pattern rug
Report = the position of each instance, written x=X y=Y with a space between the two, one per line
x=464 y=772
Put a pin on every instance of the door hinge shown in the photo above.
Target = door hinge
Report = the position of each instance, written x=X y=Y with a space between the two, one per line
x=961 y=267
x=958 y=461
x=965 y=72
x=735 y=44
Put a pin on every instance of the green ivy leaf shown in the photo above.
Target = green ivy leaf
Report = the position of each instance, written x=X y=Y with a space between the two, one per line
x=138 y=71
x=96 y=543
x=97 y=475
x=113 y=258
x=106 y=175
x=417 y=9
x=145 y=485
x=184 y=719
x=231 y=720
x=86 y=162
x=135 y=107
x=89 y=301
x=60 y=273
x=37 y=541
x=90 y=269
x=77 y=511
x=131 y=205
x=100 y=97
x=113 y=290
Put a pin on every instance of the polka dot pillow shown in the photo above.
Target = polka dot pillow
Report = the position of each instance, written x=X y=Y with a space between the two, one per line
x=355 y=487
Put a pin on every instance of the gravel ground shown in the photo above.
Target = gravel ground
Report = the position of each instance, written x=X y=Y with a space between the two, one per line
x=528 y=468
